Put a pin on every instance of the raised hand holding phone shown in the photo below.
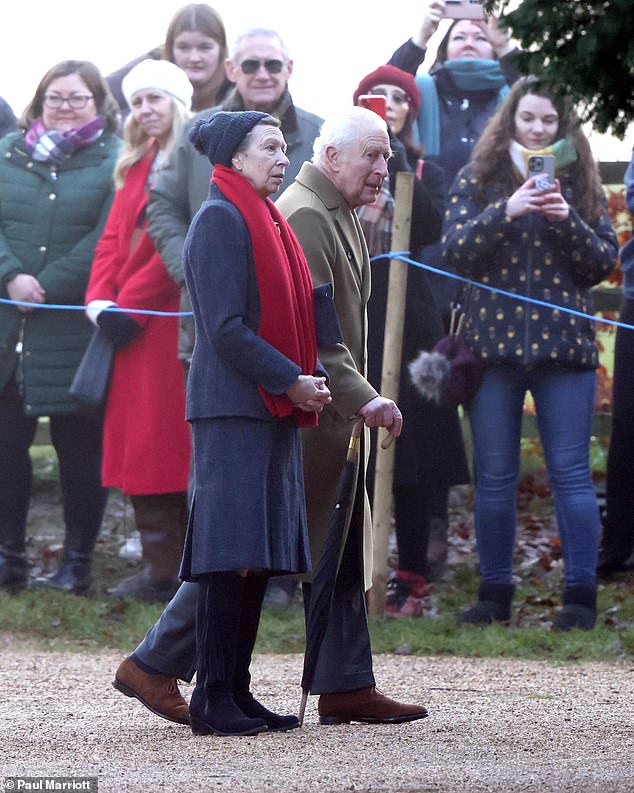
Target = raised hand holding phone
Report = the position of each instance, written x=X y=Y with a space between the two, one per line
x=464 y=9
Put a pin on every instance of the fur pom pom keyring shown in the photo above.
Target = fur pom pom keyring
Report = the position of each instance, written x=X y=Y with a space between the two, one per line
x=448 y=374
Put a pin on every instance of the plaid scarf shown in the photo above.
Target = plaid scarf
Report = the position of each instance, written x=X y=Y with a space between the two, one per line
x=376 y=221
x=49 y=145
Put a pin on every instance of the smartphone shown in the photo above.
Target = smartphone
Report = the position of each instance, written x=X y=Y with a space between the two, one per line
x=542 y=166
x=374 y=102
x=463 y=9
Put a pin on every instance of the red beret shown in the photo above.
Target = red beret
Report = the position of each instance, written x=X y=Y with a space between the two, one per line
x=391 y=75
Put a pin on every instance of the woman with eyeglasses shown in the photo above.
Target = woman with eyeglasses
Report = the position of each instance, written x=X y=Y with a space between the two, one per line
x=55 y=194
x=196 y=42
x=430 y=455
x=146 y=440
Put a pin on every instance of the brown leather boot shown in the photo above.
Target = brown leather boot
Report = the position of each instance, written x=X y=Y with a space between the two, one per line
x=161 y=521
x=159 y=693
x=366 y=705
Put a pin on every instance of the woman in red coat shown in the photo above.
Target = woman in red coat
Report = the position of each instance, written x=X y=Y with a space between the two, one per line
x=146 y=440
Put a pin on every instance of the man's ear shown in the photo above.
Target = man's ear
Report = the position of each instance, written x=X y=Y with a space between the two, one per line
x=289 y=66
x=230 y=70
x=332 y=157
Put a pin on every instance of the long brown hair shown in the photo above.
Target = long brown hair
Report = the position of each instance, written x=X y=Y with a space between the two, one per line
x=199 y=18
x=105 y=104
x=492 y=163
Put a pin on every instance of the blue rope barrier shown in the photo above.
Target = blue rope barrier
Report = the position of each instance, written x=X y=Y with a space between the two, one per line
x=110 y=308
x=403 y=257
x=399 y=255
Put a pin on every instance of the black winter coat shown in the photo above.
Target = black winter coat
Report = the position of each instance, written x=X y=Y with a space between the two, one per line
x=430 y=447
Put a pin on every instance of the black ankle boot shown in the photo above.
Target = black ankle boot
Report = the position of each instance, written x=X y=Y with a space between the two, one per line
x=579 y=609
x=255 y=588
x=212 y=709
x=73 y=575
x=13 y=573
x=494 y=605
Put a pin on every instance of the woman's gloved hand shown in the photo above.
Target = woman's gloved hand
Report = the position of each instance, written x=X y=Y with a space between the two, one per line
x=119 y=327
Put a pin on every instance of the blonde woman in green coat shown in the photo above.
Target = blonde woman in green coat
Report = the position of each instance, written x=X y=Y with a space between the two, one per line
x=55 y=193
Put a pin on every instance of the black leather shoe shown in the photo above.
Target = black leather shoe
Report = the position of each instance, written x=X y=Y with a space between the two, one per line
x=13 y=575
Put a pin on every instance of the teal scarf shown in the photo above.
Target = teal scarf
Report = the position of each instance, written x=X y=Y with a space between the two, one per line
x=467 y=74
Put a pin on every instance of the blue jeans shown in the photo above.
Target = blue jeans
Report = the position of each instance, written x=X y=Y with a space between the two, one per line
x=564 y=402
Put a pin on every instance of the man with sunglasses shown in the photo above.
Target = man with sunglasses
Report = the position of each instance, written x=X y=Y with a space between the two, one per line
x=260 y=67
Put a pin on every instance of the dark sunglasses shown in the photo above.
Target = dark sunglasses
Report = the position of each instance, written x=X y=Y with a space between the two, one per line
x=251 y=66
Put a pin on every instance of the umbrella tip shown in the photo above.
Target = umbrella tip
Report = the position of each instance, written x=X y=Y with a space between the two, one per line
x=302 y=707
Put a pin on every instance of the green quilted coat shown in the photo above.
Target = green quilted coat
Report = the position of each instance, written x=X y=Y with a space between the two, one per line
x=51 y=217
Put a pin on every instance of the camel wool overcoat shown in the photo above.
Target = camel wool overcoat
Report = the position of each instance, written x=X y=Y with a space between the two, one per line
x=333 y=242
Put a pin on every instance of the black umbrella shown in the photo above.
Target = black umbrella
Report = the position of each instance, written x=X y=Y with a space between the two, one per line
x=323 y=586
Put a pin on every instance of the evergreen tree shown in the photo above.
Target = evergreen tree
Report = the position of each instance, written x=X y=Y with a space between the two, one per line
x=585 y=47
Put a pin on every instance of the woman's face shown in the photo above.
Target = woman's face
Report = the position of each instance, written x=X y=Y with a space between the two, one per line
x=397 y=105
x=536 y=122
x=197 y=55
x=153 y=110
x=263 y=163
x=468 y=40
x=72 y=89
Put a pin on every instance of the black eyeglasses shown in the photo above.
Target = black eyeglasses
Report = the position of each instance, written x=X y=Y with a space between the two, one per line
x=75 y=101
x=251 y=66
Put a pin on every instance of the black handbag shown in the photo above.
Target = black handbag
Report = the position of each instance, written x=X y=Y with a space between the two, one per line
x=92 y=379
x=450 y=373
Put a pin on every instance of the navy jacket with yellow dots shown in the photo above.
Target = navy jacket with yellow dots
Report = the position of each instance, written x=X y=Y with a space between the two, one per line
x=556 y=263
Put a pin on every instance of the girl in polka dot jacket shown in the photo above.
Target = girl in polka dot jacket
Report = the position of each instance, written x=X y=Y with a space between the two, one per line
x=505 y=229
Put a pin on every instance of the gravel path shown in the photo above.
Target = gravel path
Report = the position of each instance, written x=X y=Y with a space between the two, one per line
x=494 y=725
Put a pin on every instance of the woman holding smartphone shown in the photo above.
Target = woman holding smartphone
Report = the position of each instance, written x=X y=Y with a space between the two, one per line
x=548 y=245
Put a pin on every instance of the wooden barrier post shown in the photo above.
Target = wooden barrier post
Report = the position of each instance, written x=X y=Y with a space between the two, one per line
x=390 y=377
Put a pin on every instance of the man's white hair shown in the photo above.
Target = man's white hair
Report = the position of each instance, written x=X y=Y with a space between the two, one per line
x=344 y=130
x=249 y=33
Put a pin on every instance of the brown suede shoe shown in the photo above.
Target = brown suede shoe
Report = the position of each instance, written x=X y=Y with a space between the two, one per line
x=158 y=693
x=368 y=705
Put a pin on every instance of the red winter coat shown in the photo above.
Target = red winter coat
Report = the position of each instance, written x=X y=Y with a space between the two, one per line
x=146 y=439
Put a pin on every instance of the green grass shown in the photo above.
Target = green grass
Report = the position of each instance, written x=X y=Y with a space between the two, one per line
x=58 y=621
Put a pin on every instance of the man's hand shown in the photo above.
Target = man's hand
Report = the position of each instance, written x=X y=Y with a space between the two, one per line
x=382 y=412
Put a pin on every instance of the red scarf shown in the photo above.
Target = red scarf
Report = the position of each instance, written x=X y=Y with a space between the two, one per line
x=287 y=320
